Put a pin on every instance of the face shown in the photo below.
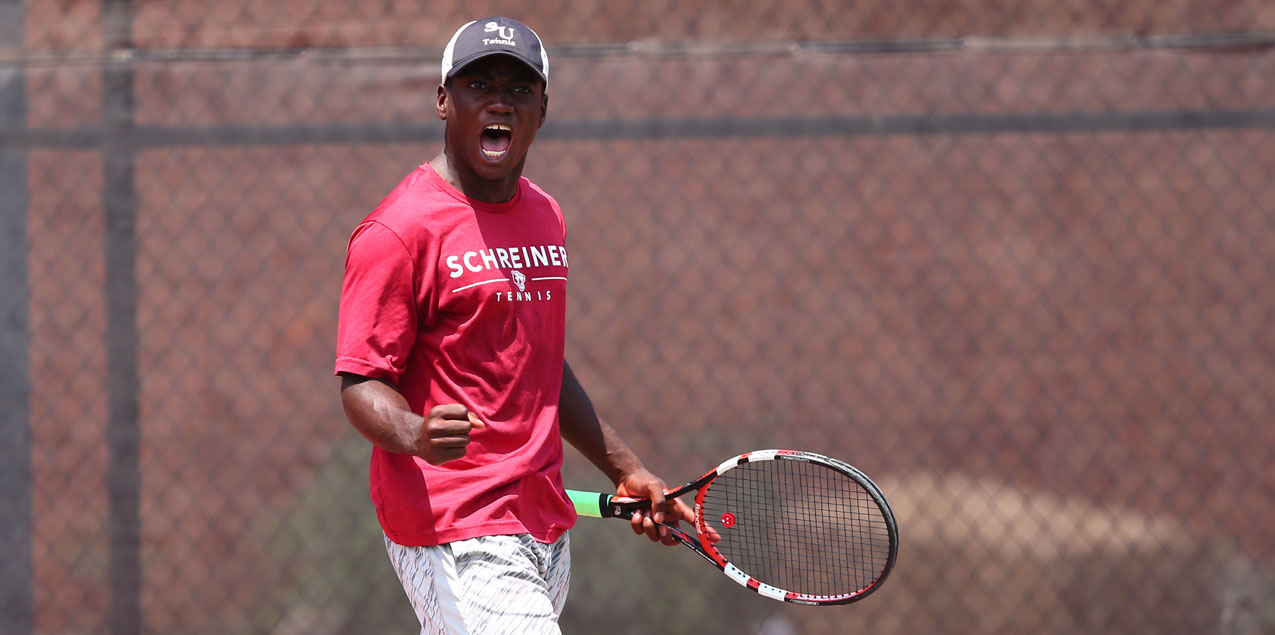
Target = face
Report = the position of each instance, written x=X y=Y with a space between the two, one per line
x=493 y=108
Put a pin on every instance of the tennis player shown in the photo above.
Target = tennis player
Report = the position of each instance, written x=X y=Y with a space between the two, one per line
x=450 y=349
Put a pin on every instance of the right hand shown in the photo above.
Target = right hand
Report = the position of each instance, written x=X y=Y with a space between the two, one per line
x=444 y=433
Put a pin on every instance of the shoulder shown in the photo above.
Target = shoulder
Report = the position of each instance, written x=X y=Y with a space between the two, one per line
x=534 y=195
x=416 y=195
x=395 y=226
x=418 y=210
x=535 y=192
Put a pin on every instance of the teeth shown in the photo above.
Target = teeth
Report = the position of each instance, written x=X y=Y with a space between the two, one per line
x=497 y=127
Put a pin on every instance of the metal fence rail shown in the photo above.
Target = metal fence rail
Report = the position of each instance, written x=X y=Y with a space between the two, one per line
x=1016 y=263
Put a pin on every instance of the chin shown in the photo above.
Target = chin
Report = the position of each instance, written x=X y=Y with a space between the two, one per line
x=496 y=170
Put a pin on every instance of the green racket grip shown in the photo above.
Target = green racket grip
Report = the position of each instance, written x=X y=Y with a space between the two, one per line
x=591 y=504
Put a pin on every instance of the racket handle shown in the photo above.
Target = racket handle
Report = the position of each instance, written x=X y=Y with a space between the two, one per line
x=593 y=504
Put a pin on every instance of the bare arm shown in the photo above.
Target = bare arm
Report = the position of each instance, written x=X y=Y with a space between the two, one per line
x=602 y=445
x=380 y=412
x=596 y=440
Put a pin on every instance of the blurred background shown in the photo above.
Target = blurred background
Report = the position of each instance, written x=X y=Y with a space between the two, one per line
x=1014 y=259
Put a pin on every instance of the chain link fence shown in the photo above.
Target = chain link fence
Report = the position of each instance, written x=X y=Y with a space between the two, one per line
x=1016 y=260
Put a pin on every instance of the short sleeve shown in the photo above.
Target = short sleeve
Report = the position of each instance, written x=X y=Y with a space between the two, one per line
x=377 y=319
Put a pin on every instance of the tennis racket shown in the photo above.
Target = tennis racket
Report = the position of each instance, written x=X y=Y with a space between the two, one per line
x=793 y=526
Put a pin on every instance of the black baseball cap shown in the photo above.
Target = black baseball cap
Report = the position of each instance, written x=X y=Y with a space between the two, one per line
x=492 y=36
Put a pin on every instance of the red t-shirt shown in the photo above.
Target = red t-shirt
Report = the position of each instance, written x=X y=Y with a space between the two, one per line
x=458 y=301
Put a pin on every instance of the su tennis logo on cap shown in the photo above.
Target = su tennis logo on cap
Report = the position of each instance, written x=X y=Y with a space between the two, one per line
x=495 y=36
x=506 y=34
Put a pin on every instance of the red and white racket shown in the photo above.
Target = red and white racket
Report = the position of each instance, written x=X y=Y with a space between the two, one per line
x=793 y=526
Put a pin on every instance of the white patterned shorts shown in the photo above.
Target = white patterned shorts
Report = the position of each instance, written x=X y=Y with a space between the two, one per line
x=494 y=585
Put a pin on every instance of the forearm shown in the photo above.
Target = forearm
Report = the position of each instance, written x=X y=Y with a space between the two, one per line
x=602 y=445
x=380 y=413
x=592 y=437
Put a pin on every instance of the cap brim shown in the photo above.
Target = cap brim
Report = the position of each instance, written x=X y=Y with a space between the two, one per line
x=458 y=66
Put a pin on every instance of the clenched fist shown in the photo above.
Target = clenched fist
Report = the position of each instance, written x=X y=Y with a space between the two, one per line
x=444 y=433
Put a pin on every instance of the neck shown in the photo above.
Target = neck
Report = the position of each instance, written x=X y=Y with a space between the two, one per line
x=470 y=184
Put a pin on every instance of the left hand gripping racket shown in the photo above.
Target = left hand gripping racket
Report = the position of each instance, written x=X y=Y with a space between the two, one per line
x=793 y=526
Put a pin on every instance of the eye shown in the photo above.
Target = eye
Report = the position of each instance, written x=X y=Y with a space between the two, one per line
x=477 y=84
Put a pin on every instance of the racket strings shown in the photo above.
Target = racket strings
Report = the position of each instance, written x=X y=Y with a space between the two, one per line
x=799 y=526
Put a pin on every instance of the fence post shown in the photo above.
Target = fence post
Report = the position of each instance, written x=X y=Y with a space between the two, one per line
x=123 y=382
x=17 y=594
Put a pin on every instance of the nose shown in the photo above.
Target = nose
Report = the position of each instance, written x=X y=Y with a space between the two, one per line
x=503 y=102
x=504 y=97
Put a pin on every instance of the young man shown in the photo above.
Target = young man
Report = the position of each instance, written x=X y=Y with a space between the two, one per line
x=450 y=351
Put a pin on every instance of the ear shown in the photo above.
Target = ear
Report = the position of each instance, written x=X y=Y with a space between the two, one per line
x=440 y=106
x=544 y=109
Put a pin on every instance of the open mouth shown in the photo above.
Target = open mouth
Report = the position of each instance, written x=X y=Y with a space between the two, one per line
x=495 y=139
